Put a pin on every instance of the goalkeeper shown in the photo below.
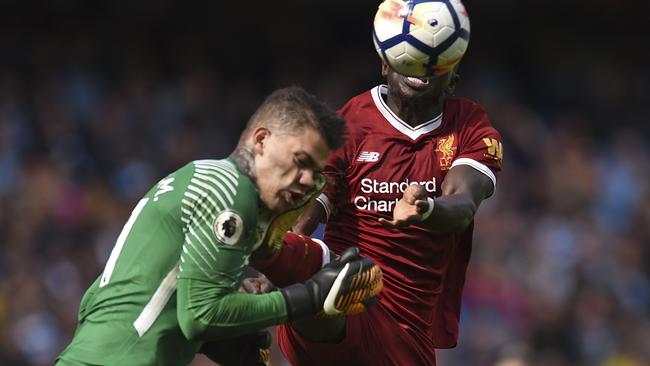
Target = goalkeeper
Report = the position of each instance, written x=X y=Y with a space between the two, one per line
x=170 y=286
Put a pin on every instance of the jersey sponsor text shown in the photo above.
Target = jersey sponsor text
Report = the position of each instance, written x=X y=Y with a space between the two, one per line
x=370 y=186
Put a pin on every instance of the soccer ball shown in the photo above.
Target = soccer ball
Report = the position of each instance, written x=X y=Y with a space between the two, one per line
x=421 y=37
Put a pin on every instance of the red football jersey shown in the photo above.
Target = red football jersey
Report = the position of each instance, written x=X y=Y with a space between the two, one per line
x=424 y=272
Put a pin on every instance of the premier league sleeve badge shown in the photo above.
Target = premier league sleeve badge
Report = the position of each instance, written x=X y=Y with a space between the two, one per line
x=228 y=227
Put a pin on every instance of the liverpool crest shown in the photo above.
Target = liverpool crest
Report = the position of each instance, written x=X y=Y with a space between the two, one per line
x=447 y=149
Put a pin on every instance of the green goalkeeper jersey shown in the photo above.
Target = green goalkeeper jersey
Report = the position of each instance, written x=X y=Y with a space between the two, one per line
x=172 y=279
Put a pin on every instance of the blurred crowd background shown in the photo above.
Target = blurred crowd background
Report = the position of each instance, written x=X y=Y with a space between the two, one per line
x=98 y=100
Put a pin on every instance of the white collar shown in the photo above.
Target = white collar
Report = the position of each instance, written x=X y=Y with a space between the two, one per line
x=395 y=121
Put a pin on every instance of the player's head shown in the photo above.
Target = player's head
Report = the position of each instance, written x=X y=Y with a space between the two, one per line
x=428 y=88
x=291 y=135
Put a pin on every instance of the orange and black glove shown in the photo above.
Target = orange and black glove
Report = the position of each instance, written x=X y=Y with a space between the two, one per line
x=345 y=286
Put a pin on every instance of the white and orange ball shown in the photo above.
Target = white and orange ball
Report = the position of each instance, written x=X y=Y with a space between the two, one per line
x=421 y=37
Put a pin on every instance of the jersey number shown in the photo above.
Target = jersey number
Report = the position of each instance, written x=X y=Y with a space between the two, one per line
x=164 y=291
x=119 y=244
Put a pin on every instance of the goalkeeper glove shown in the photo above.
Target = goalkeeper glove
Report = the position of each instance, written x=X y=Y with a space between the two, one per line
x=345 y=286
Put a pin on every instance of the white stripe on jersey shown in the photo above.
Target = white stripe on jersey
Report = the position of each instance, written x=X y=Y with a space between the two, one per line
x=220 y=185
x=207 y=249
x=185 y=213
x=478 y=166
x=200 y=207
x=413 y=132
x=194 y=248
x=217 y=162
x=226 y=175
x=193 y=233
x=196 y=222
x=195 y=211
x=210 y=207
x=185 y=251
x=158 y=301
x=205 y=175
x=110 y=265
x=213 y=190
x=219 y=166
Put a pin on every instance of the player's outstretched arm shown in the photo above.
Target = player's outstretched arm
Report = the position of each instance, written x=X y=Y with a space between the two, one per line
x=346 y=286
x=281 y=269
x=463 y=190
x=208 y=311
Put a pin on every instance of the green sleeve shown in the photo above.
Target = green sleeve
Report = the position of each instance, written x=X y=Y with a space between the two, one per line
x=206 y=312
x=219 y=212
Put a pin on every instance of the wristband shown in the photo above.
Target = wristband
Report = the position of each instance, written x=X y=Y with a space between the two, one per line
x=326 y=251
x=429 y=210
x=299 y=303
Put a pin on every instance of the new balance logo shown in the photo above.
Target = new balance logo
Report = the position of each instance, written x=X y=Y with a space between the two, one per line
x=368 y=156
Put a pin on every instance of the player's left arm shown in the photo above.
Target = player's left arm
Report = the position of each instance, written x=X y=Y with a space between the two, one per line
x=281 y=269
x=471 y=179
x=219 y=230
x=218 y=217
x=463 y=190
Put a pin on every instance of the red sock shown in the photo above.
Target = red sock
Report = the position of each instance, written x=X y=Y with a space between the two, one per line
x=297 y=260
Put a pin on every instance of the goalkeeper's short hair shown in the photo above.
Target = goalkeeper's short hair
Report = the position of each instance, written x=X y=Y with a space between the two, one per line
x=292 y=109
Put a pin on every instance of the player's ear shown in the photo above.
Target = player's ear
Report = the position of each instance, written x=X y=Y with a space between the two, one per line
x=260 y=139
x=384 y=69
x=454 y=78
